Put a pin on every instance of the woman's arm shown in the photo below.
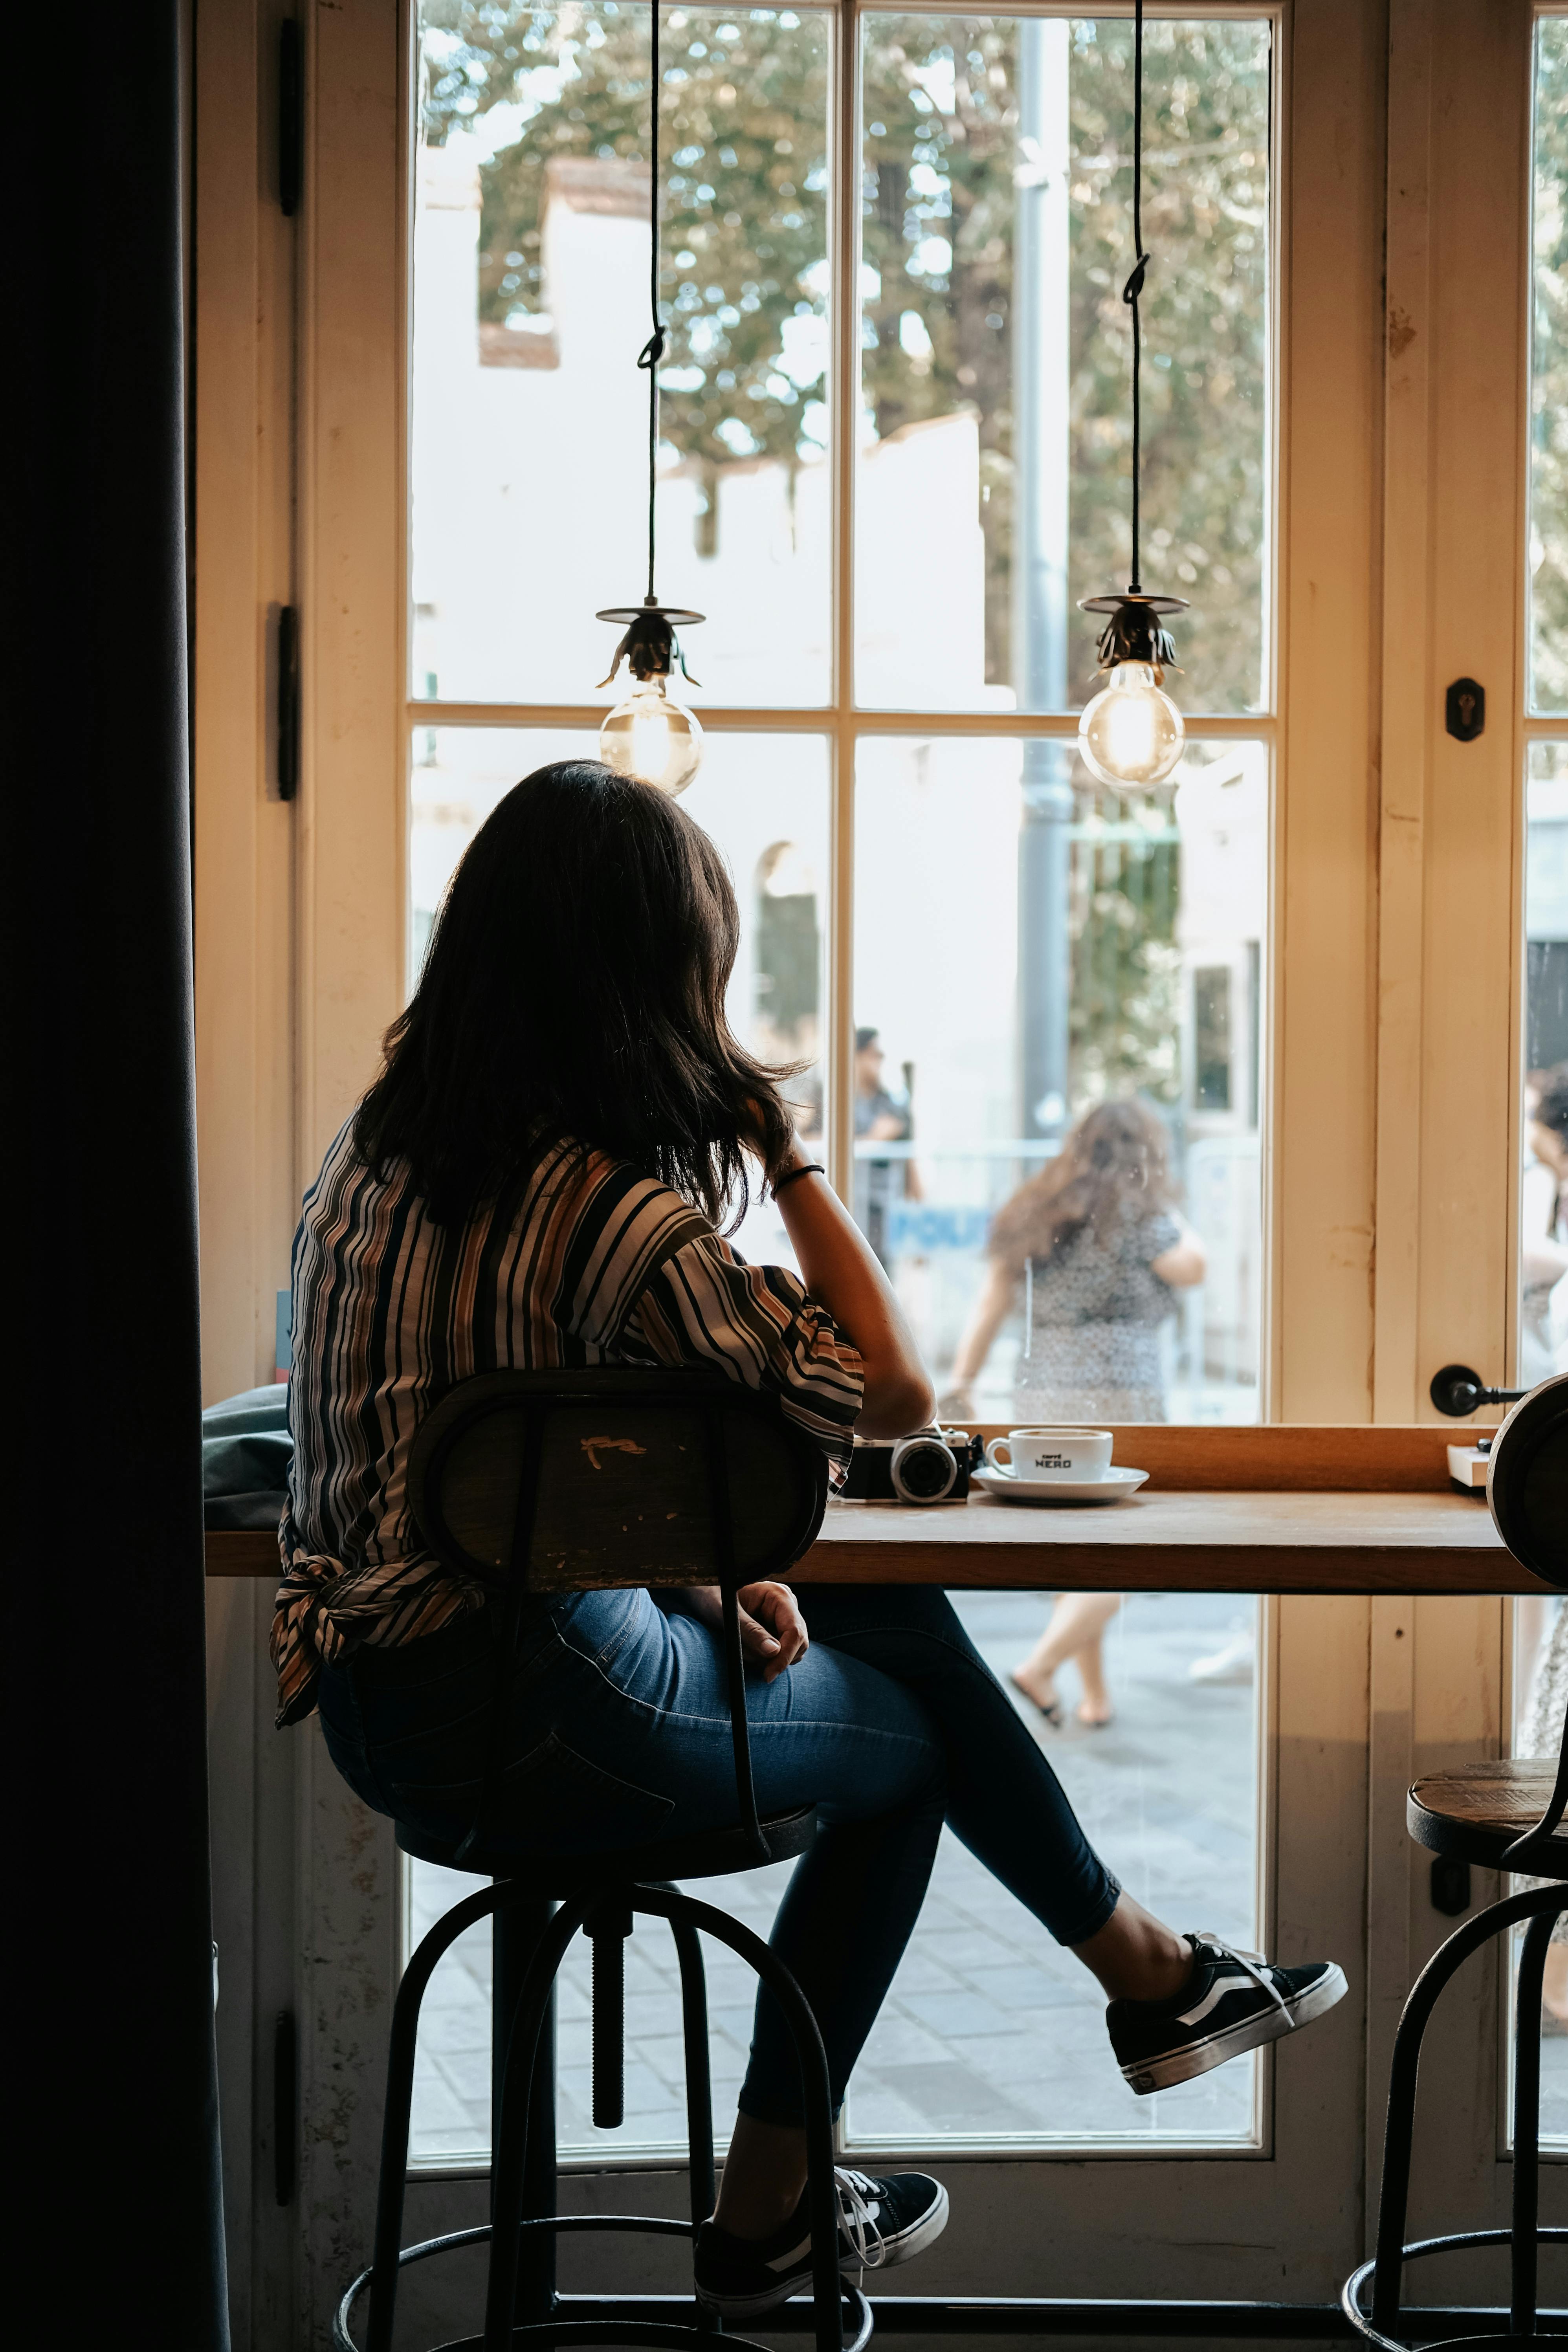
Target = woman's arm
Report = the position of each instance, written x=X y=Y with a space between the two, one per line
x=991 y=1309
x=838 y=1268
x=1542 y=1259
x=1183 y=1262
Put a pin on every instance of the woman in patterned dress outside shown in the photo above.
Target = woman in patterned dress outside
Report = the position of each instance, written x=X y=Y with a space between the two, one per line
x=1540 y=1735
x=1098 y=1249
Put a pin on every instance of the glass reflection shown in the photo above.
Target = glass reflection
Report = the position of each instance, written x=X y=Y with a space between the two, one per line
x=1548 y=536
x=1050 y=972
x=1539 y=1697
x=995 y=425
x=531 y=271
x=1543 y=1179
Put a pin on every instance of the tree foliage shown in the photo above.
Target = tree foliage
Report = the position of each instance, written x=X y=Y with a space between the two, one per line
x=743 y=128
x=1124 y=1017
x=744 y=141
x=941 y=127
x=743 y=122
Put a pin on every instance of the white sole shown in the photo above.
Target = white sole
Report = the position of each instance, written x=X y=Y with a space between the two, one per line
x=897 y=2249
x=1251 y=2033
x=915 y=2240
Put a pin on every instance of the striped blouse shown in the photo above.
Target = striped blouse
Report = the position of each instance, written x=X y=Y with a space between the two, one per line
x=585 y=1263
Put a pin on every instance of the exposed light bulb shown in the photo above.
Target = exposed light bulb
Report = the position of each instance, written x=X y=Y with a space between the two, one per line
x=1131 y=733
x=653 y=739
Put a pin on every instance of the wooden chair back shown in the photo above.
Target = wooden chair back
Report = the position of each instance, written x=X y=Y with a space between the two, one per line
x=546 y=1482
x=561 y=1481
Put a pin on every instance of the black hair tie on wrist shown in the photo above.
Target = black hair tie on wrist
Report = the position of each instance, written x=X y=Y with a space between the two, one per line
x=807 y=1167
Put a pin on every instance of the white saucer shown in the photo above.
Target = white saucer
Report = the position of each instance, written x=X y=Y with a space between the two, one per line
x=1114 y=1487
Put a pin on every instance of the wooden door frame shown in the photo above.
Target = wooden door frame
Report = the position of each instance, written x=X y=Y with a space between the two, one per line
x=1394 y=923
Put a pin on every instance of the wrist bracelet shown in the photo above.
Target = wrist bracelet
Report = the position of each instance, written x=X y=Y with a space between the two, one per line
x=807 y=1167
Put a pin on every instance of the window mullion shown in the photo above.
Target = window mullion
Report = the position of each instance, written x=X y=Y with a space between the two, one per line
x=844 y=232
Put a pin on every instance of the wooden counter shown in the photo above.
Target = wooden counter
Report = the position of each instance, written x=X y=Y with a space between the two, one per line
x=1181 y=1543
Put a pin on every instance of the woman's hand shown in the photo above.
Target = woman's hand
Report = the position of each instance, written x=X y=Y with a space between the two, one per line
x=784 y=1147
x=772 y=1627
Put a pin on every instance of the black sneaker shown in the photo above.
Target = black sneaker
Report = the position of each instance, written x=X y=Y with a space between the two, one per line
x=1233 y=2002
x=881 y=2222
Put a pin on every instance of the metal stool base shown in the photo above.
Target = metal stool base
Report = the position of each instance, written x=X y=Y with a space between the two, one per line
x=569 y=2328
x=1377 y=2284
x=1353 y=2296
x=520 y=2297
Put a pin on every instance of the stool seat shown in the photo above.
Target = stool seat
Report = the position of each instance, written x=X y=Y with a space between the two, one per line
x=1476 y=1813
x=711 y=1854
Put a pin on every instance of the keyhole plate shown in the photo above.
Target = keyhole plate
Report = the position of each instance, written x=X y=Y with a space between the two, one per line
x=1465 y=710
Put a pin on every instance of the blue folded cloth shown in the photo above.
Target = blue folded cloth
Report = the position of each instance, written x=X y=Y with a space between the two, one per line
x=246 y=1452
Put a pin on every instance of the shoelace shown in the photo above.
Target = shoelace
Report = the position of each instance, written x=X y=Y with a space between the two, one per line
x=857 y=2219
x=1254 y=1965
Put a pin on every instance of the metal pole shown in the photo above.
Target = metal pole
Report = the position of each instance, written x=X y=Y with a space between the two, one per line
x=518 y=1931
x=1041 y=386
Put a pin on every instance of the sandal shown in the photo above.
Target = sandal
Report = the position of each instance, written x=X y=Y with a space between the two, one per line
x=1051 y=1710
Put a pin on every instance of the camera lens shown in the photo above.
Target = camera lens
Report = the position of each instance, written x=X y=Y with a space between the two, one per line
x=923 y=1470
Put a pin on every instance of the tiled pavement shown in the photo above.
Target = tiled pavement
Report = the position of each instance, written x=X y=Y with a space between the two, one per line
x=990 y=2031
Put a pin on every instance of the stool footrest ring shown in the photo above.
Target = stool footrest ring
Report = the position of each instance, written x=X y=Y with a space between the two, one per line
x=1454 y=2242
x=567 y=2330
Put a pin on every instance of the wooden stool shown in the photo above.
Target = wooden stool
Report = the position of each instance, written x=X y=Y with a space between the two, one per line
x=1501 y=1816
x=552 y=1481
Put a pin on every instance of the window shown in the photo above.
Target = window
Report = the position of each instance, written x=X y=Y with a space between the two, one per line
x=1539 y=1624
x=1342 y=1114
x=1543 y=1206
x=888 y=475
x=991 y=2036
x=1021 y=943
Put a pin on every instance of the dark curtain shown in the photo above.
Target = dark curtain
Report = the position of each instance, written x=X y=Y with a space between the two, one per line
x=108 y=1814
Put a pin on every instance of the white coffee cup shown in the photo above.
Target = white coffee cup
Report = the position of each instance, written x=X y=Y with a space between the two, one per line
x=1076 y=1453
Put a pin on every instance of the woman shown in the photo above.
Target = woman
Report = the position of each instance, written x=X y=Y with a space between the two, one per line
x=1544 y=1229
x=1098 y=1249
x=538 y=1178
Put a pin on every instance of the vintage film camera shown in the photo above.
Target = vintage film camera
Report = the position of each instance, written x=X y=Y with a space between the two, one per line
x=931 y=1466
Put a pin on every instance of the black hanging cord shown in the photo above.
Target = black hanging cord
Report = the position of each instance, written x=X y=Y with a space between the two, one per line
x=653 y=350
x=1135 y=286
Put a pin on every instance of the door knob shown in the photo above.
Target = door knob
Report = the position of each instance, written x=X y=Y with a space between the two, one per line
x=1457 y=1391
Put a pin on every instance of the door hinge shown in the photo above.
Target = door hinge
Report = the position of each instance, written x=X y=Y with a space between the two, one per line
x=291 y=117
x=288 y=701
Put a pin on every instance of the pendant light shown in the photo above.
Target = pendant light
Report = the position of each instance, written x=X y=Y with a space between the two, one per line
x=650 y=736
x=1132 y=732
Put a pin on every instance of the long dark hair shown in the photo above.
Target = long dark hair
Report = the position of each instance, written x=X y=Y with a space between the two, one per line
x=574 y=989
x=1111 y=1164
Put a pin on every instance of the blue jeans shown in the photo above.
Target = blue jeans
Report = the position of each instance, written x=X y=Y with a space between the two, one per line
x=618 y=1731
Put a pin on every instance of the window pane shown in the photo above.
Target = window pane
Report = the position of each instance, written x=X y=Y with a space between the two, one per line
x=1543 y=1206
x=1549 y=376
x=451 y=2118
x=762 y=798
x=530 y=303
x=993 y=477
x=1540 y=1694
x=1031 y=949
x=765 y=800
x=992 y=2034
